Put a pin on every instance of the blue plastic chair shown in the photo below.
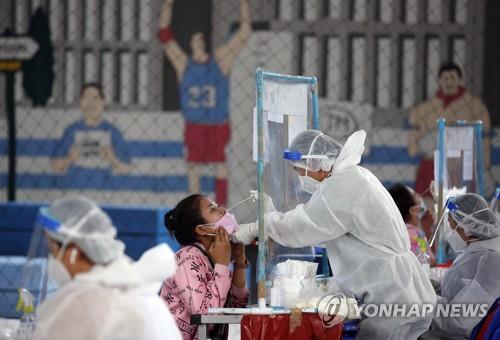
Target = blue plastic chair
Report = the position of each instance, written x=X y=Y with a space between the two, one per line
x=489 y=327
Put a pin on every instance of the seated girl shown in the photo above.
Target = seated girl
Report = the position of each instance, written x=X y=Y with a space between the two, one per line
x=414 y=212
x=203 y=279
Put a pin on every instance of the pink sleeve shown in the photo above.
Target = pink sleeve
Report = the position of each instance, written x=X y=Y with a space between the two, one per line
x=199 y=286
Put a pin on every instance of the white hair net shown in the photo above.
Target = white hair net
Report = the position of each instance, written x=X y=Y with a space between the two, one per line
x=88 y=227
x=317 y=150
x=473 y=215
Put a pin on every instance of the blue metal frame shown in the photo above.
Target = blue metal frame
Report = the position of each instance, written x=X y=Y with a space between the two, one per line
x=478 y=131
x=478 y=135
x=260 y=77
x=440 y=256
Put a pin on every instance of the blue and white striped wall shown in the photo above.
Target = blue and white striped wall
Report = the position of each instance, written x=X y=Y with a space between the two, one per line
x=155 y=142
x=153 y=139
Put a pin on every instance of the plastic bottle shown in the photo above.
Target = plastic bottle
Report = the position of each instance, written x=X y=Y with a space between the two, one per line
x=27 y=323
x=424 y=259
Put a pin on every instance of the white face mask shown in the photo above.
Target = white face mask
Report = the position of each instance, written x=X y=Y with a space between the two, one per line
x=309 y=184
x=456 y=241
x=446 y=230
x=57 y=271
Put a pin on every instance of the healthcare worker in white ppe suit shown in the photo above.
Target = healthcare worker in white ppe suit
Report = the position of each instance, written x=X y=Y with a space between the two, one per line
x=102 y=294
x=354 y=216
x=474 y=234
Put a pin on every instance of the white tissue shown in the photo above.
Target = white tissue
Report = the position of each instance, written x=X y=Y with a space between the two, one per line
x=295 y=284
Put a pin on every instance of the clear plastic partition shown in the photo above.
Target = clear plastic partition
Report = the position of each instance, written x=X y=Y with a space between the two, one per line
x=286 y=106
x=34 y=276
x=35 y=283
x=458 y=167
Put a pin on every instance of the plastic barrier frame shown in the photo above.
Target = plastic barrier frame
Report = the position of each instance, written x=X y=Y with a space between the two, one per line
x=260 y=77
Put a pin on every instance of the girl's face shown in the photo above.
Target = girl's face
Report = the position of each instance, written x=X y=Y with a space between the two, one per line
x=210 y=211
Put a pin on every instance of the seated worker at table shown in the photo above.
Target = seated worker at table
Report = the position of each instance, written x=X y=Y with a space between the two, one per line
x=414 y=211
x=102 y=294
x=474 y=277
x=203 y=279
x=353 y=215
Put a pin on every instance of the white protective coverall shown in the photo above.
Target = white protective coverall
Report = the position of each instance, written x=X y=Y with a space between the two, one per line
x=474 y=278
x=117 y=301
x=368 y=246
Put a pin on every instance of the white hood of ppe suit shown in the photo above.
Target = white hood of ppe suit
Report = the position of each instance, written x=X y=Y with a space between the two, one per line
x=351 y=152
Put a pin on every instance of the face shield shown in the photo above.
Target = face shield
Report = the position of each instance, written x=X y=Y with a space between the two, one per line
x=312 y=150
x=312 y=161
x=450 y=242
x=481 y=223
x=49 y=234
x=35 y=282
x=474 y=216
x=306 y=183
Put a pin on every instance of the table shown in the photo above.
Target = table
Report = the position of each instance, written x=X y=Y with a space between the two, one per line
x=203 y=320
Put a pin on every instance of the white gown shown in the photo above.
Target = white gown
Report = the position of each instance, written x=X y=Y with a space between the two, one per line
x=117 y=301
x=473 y=278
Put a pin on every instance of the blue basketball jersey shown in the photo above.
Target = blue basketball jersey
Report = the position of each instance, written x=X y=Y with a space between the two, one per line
x=204 y=93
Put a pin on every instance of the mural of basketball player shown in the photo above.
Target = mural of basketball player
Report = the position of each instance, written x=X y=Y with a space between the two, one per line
x=204 y=95
x=452 y=102
x=92 y=142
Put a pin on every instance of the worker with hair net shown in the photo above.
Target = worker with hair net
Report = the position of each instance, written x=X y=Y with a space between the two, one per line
x=473 y=231
x=356 y=218
x=102 y=294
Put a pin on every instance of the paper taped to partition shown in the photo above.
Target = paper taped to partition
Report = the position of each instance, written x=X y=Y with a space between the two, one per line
x=459 y=138
x=275 y=117
x=453 y=153
x=285 y=99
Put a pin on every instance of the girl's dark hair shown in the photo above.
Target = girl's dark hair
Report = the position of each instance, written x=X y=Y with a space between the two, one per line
x=404 y=199
x=183 y=219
